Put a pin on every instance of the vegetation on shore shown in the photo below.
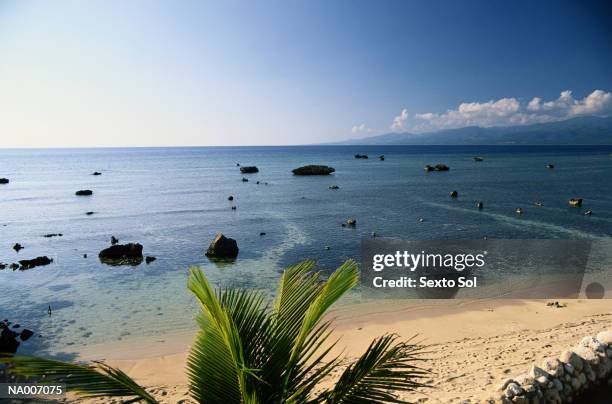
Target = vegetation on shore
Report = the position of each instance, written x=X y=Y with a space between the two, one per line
x=249 y=351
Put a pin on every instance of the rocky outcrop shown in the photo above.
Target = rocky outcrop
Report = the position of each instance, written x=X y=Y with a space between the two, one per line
x=584 y=368
x=437 y=167
x=313 y=170
x=577 y=202
x=122 y=254
x=4 y=180
x=222 y=247
x=84 y=192
x=249 y=169
x=35 y=262
x=8 y=338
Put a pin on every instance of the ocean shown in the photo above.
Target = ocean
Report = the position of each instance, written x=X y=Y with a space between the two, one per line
x=174 y=200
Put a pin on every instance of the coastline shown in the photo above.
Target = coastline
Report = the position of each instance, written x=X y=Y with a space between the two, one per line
x=463 y=337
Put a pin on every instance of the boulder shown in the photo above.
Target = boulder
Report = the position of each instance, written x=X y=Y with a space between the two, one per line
x=35 y=262
x=8 y=340
x=249 y=169
x=222 y=247
x=25 y=334
x=571 y=358
x=575 y=202
x=4 y=180
x=84 y=192
x=122 y=254
x=605 y=337
x=313 y=170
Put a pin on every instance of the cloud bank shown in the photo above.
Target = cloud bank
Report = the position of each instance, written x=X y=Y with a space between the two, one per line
x=507 y=112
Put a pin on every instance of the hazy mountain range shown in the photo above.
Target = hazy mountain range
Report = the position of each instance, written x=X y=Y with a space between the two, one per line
x=585 y=130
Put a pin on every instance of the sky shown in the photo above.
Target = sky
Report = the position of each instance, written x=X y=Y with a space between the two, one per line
x=203 y=73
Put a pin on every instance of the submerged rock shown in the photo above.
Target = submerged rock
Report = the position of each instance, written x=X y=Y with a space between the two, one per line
x=575 y=202
x=35 y=262
x=249 y=169
x=4 y=180
x=222 y=247
x=84 y=192
x=122 y=254
x=313 y=170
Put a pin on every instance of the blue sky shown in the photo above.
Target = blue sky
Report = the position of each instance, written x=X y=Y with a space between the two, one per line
x=155 y=73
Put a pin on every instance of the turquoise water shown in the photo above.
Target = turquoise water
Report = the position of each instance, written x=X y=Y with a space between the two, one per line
x=174 y=200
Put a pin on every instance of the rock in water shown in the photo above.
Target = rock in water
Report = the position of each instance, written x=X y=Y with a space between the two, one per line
x=245 y=179
x=479 y=204
x=84 y=192
x=222 y=247
x=313 y=170
x=575 y=202
x=441 y=167
x=550 y=166
x=4 y=180
x=26 y=334
x=454 y=194
x=17 y=247
x=149 y=259
x=334 y=187
x=230 y=198
x=352 y=222
x=428 y=168
x=96 y=173
x=361 y=156
x=249 y=169
x=35 y=262
x=478 y=158
x=114 y=240
x=381 y=157
x=122 y=254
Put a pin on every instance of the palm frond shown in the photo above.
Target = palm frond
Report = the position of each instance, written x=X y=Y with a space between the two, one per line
x=384 y=368
x=94 y=380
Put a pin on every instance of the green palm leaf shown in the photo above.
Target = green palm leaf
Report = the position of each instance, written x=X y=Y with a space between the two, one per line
x=384 y=368
x=95 y=380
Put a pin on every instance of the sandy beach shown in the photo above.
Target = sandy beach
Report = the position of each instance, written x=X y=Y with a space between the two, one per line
x=472 y=345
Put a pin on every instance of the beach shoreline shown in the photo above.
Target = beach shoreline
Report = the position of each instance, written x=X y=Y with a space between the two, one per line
x=465 y=341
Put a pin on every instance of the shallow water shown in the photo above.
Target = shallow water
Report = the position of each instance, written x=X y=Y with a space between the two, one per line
x=174 y=200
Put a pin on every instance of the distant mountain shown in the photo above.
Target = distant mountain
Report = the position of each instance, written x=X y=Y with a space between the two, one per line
x=586 y=130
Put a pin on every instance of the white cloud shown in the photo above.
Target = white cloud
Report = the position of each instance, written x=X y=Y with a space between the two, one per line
x=398 y=121
x=360 y=128
x=509 y=111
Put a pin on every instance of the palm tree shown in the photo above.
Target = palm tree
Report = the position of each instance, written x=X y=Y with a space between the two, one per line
x=248 y=351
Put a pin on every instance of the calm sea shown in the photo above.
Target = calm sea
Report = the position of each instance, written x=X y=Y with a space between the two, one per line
x=174 y=200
